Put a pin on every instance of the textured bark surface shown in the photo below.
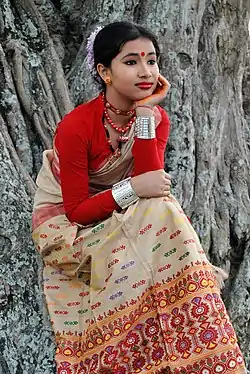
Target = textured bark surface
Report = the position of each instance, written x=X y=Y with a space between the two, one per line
x=43 y=75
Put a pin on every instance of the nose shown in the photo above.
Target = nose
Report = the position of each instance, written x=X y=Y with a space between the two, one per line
x=144 y=71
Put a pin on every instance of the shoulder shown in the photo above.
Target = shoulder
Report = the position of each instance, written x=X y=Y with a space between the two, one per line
x=80 y=120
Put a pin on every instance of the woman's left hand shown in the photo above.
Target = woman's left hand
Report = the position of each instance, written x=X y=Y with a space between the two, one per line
x=158 y=95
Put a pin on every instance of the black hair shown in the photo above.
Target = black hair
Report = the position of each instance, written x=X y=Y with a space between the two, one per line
x=110 y=40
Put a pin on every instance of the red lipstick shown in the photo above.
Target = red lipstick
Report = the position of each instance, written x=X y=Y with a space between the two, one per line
x=144 y=85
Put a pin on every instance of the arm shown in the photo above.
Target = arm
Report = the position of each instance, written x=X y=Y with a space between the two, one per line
x=73 y=159
x=149 y=153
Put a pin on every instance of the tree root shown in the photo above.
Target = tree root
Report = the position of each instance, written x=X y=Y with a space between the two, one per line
x=16 y=160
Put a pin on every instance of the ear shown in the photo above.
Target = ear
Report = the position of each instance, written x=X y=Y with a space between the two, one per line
x=103 y=72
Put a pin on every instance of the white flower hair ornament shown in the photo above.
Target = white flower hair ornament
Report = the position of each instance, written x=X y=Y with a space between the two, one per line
x=90 y=54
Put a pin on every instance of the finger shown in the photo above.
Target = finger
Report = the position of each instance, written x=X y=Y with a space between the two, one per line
x=163 y=80
x=166 y=180
x=165 y=84
x=168 y=183
x=144 y=101
x=167 y=176
x=165 y=188
x=165 y=193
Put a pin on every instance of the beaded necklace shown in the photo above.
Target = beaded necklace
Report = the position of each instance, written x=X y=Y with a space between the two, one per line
x=108 y=105
x=122 y=138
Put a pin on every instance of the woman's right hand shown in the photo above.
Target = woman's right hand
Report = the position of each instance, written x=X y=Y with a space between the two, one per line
x=157 y=96
x=152 y=184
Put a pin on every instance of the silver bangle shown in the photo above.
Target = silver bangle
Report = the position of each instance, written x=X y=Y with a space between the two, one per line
x=123 y=193
x=145 y=127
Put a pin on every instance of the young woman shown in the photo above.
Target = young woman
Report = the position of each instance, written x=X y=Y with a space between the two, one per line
x=128 y=286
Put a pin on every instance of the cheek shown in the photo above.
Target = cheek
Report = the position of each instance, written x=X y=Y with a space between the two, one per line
x=156 y=71
x=127 y=74
x=125 y=80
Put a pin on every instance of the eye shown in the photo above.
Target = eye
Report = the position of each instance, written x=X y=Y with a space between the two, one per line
x=152 y=62
x=130 y=62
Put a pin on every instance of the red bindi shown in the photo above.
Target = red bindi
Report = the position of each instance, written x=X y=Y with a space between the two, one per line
x=142 y=54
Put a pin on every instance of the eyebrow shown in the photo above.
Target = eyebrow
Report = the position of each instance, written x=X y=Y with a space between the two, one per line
x=138 y=55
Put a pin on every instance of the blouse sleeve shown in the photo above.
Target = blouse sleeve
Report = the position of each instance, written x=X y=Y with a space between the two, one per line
x=149 y=153
x=73 y=160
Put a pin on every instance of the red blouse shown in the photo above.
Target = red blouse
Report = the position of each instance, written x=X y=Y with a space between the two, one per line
x=82 y=145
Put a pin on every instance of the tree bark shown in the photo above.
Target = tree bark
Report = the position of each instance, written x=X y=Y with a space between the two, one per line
x=43 y=75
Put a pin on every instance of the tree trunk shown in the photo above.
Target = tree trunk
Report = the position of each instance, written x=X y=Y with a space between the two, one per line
x=43 y=75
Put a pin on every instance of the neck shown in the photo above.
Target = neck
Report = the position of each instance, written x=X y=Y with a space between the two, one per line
x=119 y=102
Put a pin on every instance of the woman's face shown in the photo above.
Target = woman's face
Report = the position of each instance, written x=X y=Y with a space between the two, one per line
x=134 y=71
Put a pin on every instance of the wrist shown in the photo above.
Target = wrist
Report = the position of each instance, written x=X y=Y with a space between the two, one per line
x=144 y=127
x=124 y=194
x=133 y=182
x=144 y=111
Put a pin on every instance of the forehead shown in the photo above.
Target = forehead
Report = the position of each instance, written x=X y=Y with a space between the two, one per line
x=137 y=46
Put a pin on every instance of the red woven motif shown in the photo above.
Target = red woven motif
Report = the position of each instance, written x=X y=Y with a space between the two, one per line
x=161 y=333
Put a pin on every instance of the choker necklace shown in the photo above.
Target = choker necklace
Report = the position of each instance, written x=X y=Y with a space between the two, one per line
x=121 y=130
x=109 y=106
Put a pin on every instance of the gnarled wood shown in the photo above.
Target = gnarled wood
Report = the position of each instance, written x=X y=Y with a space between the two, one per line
x=43 y=74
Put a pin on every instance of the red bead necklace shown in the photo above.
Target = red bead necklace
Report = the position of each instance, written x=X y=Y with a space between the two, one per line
x=108 y=105
x=121 y=130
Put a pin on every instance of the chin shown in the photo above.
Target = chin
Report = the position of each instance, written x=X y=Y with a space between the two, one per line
x=142 y=95
x=136 y=95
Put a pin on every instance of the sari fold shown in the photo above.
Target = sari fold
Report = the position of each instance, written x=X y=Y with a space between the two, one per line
x=134 y=293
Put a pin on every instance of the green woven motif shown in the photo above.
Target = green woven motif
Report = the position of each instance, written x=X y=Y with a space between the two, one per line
x=156 y=247
x=68 y=323
x=184 y=256
x=93 y=243
x=98 y=228
x=171 y=252
x=82 y=311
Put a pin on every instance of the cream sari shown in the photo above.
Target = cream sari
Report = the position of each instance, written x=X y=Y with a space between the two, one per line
x=134 y=293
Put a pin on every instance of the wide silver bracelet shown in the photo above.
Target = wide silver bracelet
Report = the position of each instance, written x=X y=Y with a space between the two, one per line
x=123 y=193
x=144 y=127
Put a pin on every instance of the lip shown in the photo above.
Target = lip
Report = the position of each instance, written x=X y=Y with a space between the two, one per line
x=144 y=85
